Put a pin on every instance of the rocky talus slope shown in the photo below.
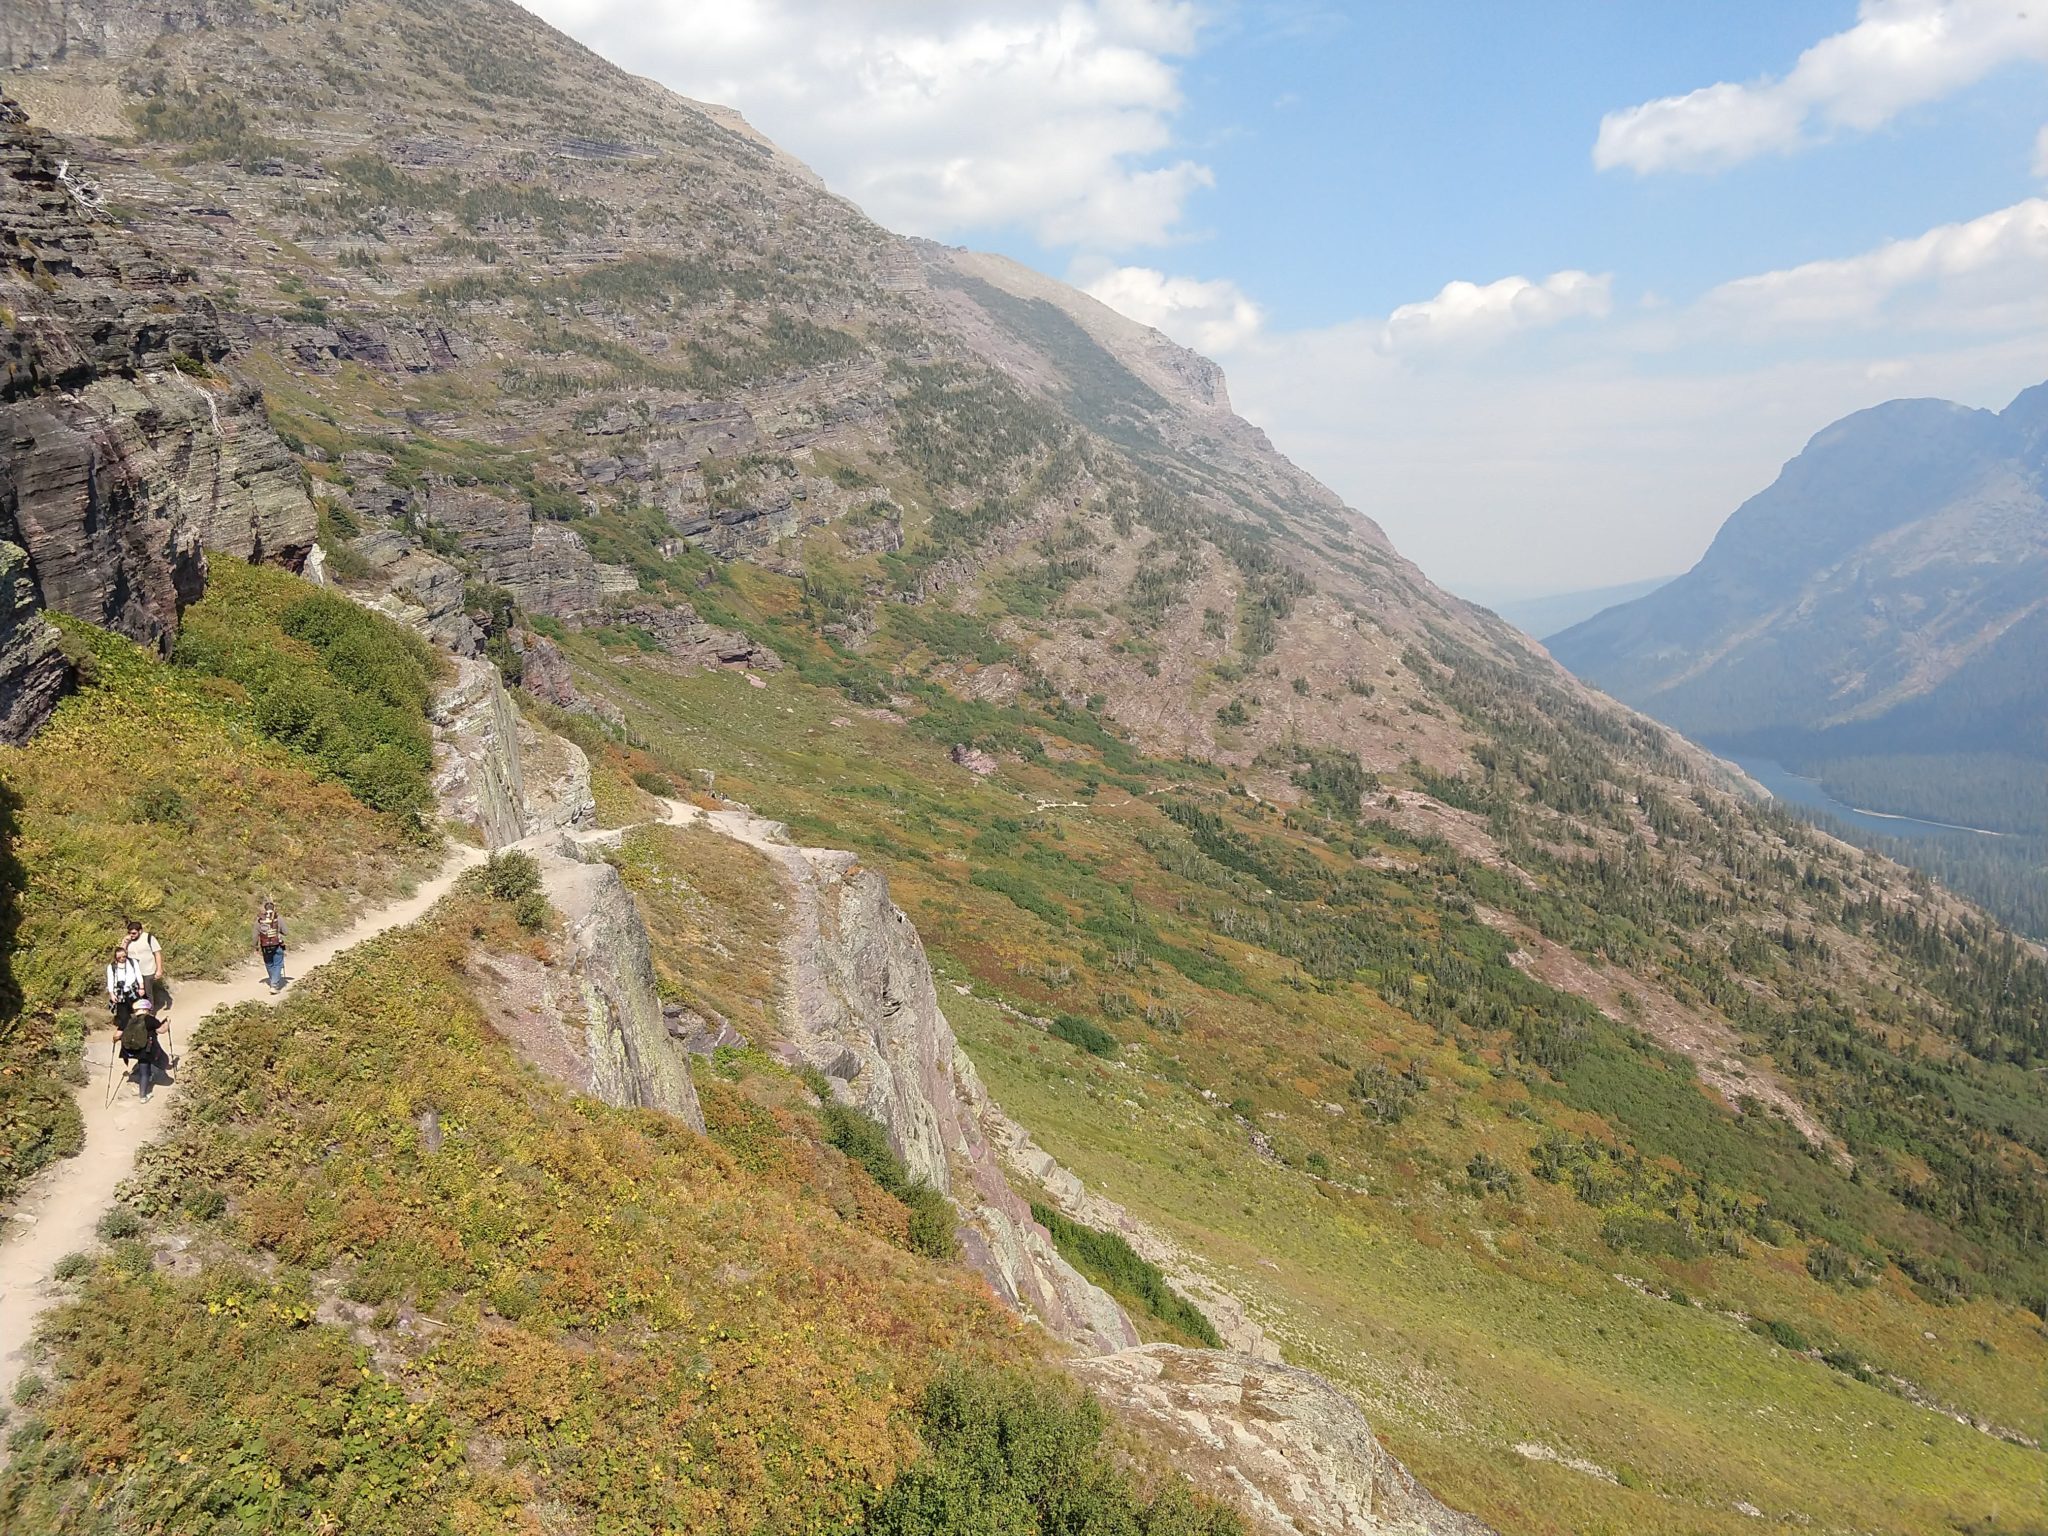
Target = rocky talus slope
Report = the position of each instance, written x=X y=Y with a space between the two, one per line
x=131 y=453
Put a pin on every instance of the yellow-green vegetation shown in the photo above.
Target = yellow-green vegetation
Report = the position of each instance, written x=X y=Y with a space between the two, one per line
x=157 y=791
x=713 y=907
x=345 y=686
x=1111 y=1262
x=1423 y=1212
x=428 y=1290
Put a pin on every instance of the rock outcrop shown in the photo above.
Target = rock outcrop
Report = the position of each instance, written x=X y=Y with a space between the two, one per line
x=1286 y=1447
x=863 y=1011
x=629 y=1057
x=497 y=772
x=126 y=452
x=1281 y=1443
x=694 y=645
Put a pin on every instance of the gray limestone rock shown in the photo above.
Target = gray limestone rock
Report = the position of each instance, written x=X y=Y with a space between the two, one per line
x=630 y=1058
x=866 y=1013
x=1282 y=1444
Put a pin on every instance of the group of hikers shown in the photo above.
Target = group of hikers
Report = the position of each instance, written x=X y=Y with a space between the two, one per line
x=140 y=997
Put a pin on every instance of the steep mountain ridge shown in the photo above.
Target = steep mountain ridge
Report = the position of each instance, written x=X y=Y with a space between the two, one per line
x=1886 y=590
x=1307 y=915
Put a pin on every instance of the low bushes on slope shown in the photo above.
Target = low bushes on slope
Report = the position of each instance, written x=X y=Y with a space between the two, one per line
x=1120 y=1269
x=603 y=1314
x=344 y=686
x=153 y=791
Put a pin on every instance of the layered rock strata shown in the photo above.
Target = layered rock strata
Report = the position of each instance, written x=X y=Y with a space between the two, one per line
x=126 y=450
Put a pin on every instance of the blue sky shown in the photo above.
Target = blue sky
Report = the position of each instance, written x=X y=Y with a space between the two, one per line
x=1545 y=289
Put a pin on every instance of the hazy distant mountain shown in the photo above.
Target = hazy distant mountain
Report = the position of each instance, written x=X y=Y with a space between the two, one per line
x=1553 y=611
x=1887 y=596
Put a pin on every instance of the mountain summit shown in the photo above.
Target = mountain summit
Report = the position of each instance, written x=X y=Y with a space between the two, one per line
x=1888 y=591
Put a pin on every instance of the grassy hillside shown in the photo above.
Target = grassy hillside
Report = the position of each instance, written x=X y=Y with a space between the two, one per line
x=416 y=1287
x=182 y=795
x=1634 y=1155
x=1502 y=1217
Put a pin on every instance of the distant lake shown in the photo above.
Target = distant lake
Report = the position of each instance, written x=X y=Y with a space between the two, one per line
x=1789 y=787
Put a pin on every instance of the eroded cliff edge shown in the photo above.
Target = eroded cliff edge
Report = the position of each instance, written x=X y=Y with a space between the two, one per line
x=127 y=451
x=1281 y=1443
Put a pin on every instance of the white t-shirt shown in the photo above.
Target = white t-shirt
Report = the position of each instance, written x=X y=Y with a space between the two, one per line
x=127 y=974
x=146 y=954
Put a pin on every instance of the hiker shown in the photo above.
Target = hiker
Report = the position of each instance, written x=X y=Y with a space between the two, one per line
x=270 y=943
x=135 y=1021
x=137 y=1042
x=125 y=984
x=148 y=956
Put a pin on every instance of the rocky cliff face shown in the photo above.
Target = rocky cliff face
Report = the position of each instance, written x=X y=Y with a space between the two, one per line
x=862 y=1009
x=1282 y=1444
x=126 y=451
x=497 y=772
x=628 y=1056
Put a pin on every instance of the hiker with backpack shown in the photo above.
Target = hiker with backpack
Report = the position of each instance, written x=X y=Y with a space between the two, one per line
x=148 y=956
x=125 y=984
x=135 y=1020
x=270 y=943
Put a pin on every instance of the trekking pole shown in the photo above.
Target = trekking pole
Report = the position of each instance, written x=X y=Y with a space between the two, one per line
x=113 y=1056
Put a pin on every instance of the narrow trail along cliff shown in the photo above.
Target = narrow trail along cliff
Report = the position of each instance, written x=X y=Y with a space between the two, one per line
x=60 y=1211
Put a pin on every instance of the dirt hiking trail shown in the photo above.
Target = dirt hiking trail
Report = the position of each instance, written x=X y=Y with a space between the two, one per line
x=63 y=1204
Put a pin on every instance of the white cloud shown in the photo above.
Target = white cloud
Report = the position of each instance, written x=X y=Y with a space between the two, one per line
x=2041 y=154
x=1899 y=54
x=1982 y=274
x=1545 y=457
x=1465 y=312
x=1214 y=316
x=1054 y=116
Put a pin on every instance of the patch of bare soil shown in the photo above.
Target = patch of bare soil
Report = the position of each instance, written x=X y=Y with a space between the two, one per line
x=1704 y=1040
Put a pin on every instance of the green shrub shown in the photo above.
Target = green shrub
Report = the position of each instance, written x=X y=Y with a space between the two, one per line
x=1089 y=1036
x=347 y=687
x=1020 y=1454
x=163 y=805
x=1782 y=1334
x=72 y=1265
x=1120 y=1269
x=863 y=1139
x=510 y=875
x=118 y=1223
x=1831 y=1264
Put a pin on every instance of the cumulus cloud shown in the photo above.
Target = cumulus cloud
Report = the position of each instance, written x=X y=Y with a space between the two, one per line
x=1052 y=116
x=1899 y=54
x=2041 y=154
x=1595 y=453
x=1214 y=316
x=1985 y=273
x=1465 y=312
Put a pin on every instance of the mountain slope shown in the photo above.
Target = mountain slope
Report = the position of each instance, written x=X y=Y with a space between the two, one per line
x=1890 y=589
x=1585 y=1122
x=1875 y=620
